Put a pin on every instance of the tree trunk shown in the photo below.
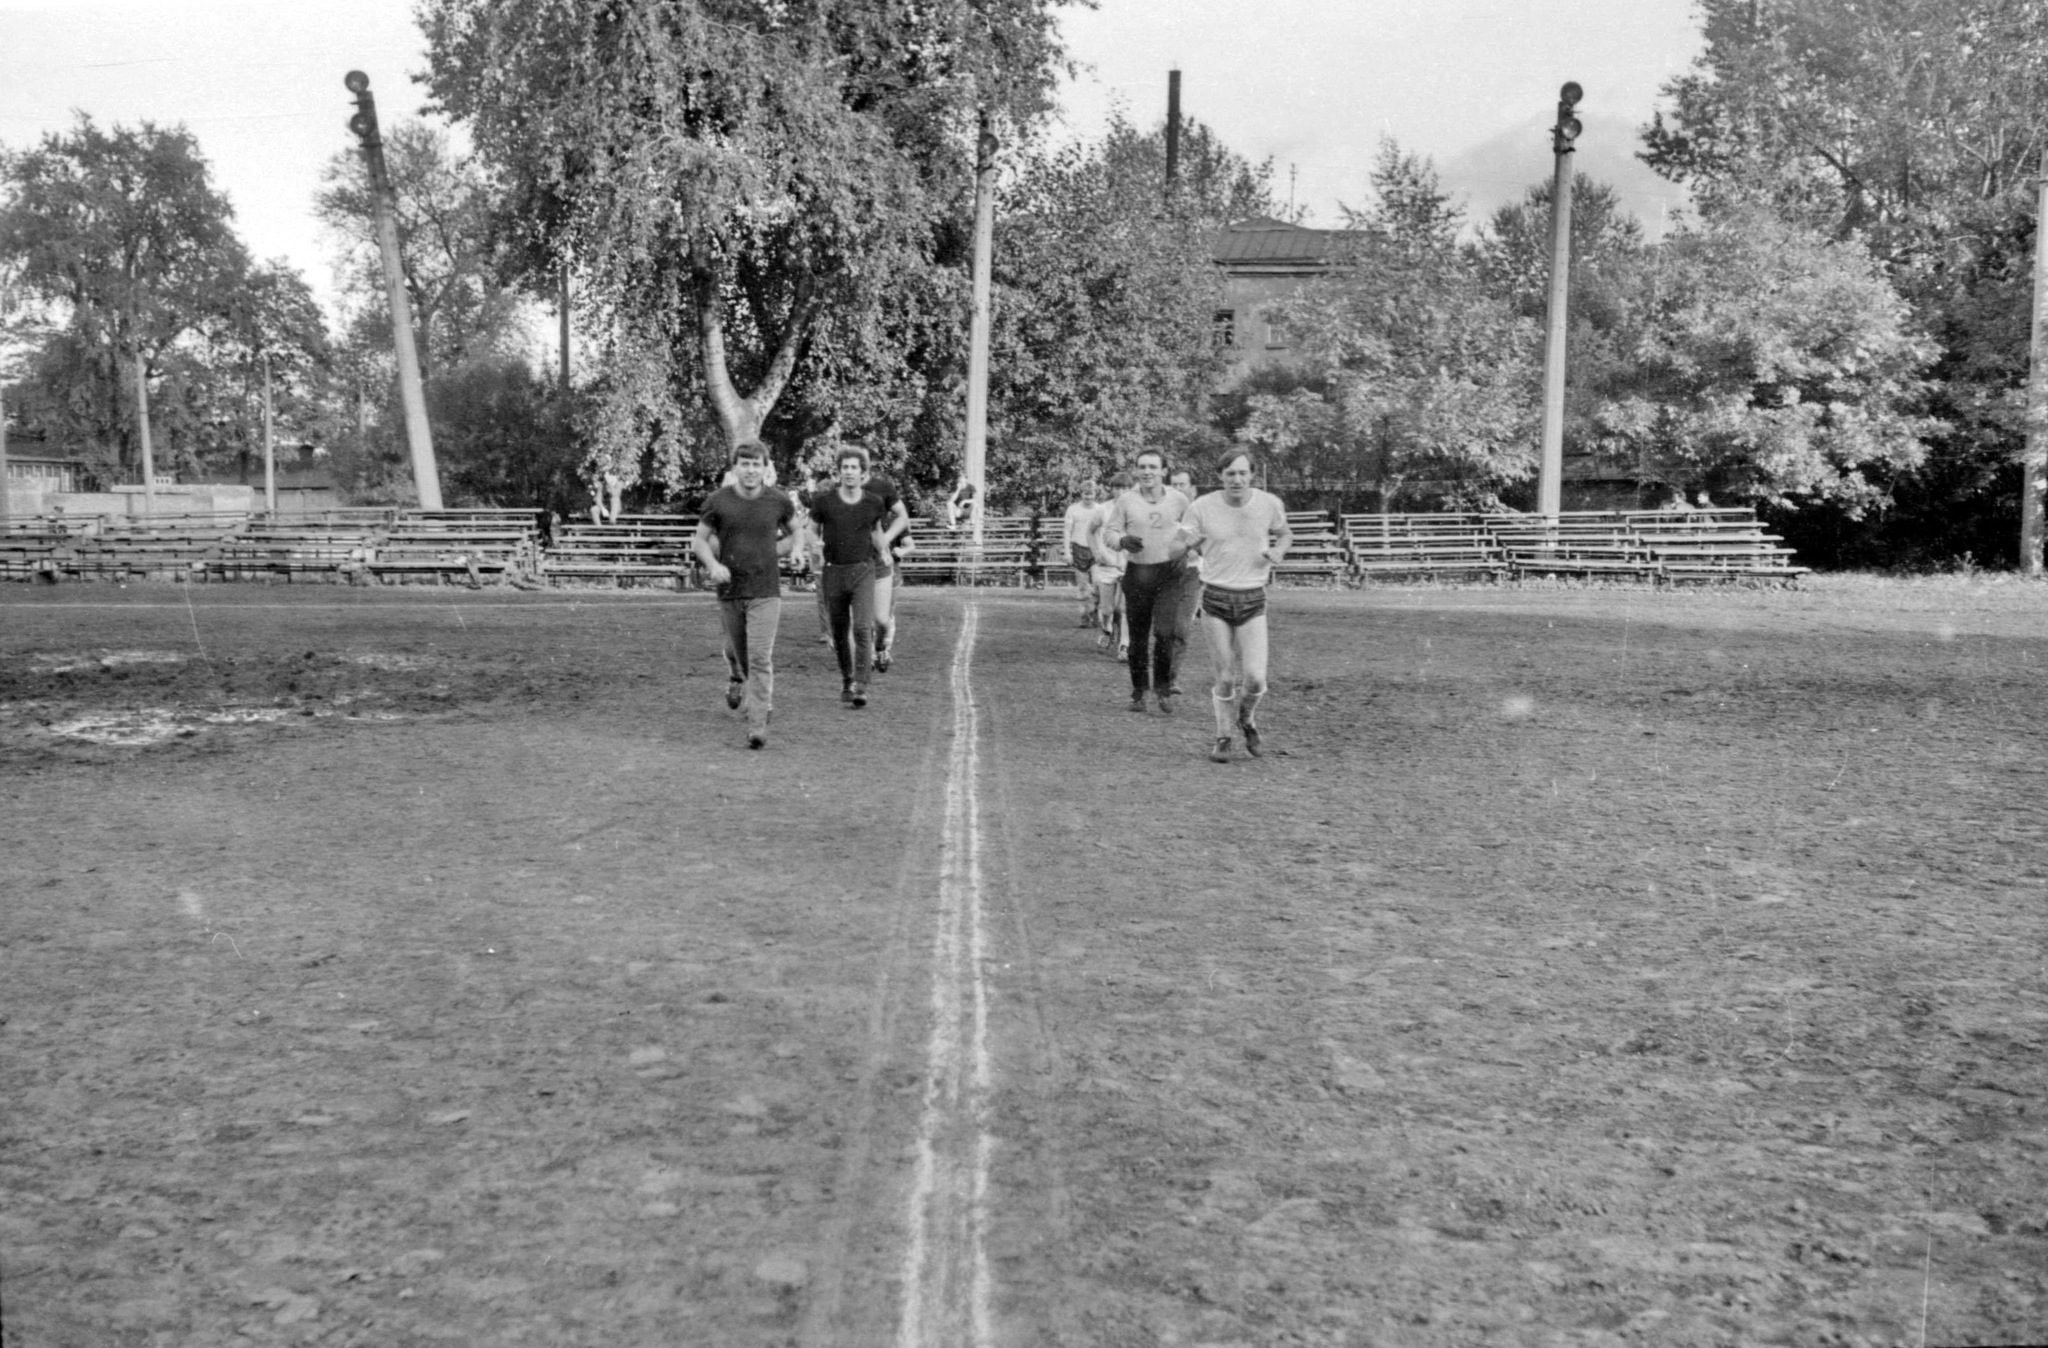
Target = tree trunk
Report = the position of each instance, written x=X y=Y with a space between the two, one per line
x=740 y=416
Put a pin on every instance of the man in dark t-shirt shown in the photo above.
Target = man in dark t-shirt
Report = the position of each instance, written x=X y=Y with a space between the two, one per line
x=856 y=525
x=742 y=533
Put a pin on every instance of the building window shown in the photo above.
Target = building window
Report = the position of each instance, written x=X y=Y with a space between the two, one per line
x=1278 y=338
x=1224 y=329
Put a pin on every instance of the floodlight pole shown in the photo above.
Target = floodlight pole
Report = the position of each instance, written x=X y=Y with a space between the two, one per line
x=1550 y=466
x=3 y=459
x=142 y=433
x=269 y=446
x=419 y=436
x=2034 y=461
x=977 y=341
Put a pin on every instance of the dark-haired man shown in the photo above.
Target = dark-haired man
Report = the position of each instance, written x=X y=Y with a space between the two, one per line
x=1144 y=522
x=856 y=525
x=743 y=531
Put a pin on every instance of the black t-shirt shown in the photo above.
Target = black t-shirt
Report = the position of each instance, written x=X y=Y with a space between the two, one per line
x=848 y=527
x=747 y=532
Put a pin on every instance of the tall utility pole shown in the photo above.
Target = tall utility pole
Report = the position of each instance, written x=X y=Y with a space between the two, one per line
x=2034 y=464
x=269 y=445
x=977 y=331
x=1550 y=467
x=3 y=458
x=142 y=434
x=426 y=478
x=564 y=307
x=1172 y=131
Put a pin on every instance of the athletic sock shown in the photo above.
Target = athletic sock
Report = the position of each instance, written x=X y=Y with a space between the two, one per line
x=1247 y=704
x=1226 y=715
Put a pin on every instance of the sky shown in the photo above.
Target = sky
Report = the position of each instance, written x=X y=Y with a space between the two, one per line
x=1310 y=84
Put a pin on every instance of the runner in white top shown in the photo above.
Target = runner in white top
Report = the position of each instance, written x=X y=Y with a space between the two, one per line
x=1241 y=534
x=1082 y=516
x=1108 y=573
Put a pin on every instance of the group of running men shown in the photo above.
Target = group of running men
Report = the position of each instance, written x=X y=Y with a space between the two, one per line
x=1151 y=560
x=1147 y=560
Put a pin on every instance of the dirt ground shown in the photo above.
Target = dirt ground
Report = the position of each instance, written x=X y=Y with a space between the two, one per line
x=1578 y=967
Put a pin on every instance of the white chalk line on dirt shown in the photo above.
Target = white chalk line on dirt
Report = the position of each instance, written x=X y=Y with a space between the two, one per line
x=946 y=1293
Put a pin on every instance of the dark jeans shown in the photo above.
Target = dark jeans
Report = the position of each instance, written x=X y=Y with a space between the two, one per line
x=1152 y=617
x=849 y=592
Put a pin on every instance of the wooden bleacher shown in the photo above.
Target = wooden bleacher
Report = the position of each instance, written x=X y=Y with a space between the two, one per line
x=1010 y=554
x=155 y=547
x=453 y=544
x=1318 y=551
x=1714 y=544
x=631 y=548
x=1392 y=545
x=328 y=545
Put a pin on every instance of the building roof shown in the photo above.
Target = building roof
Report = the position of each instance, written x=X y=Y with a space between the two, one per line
x=1264 y=242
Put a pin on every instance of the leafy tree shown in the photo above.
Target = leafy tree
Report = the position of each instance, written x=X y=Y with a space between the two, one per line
x=118 y=248
x=1917 y=127
x=1419 y=375
x=754 y=193
x=1105 y=292
x=1765 y=363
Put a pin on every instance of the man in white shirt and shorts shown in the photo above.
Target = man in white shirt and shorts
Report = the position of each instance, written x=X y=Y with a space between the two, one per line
x=1241 y=534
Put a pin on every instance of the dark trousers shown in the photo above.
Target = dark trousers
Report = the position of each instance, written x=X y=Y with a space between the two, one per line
x=1152 y=618
x=849 y=592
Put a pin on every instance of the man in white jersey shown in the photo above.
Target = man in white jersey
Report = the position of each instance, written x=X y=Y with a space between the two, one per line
x=1241 y=534
x=1145 y=524
x=1081 y=519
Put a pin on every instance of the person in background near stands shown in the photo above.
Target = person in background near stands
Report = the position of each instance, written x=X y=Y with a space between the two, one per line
x=1188 y=589
x=615 y=493
x=857 y=525
x=1107 y=575
x=743 y=532
x=1145 y=523
x=885 y=571
x=960 y=503
x=1241 y=533
x=1081 y=517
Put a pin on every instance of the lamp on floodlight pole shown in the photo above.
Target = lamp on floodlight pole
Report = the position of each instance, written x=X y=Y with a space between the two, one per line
x=426 y=478
x=1550 y=466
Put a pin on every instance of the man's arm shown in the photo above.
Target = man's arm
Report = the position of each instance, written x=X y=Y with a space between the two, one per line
x=702 y=546
x=1283 y=538
x=899 y=520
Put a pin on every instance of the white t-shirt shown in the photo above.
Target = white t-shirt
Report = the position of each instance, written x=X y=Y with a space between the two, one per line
x=1153 y=523
x=1234 y=539
x=1080 y=519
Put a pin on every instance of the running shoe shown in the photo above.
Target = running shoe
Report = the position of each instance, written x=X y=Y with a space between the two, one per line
x=1166 y=704
x=882 y=660
x=1123 y=653
x=1221 y=753
x=1138 y=700
x=846 y=694
x=1251 y=738
x=1102 y=641
x=755 y=739
x=735 y=693
x=860 y=695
